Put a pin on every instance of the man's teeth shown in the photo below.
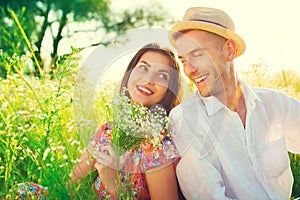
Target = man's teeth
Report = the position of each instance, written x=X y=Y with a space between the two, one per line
x=144 y=90
x=200 y=78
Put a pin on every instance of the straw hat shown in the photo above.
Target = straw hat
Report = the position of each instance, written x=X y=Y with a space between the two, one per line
x=211 y=20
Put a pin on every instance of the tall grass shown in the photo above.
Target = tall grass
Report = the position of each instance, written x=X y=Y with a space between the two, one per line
x=38 y=137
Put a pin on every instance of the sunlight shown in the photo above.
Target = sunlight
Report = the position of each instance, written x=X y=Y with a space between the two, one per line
x=268 y=27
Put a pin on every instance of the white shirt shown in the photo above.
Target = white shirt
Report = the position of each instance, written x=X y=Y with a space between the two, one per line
x=220 y=159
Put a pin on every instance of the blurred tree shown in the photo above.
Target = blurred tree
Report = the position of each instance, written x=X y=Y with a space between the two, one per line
x=41 y=17
x=10 y=42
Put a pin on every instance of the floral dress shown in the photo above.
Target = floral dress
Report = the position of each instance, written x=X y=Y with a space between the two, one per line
x=135 y=162
x=30 y=190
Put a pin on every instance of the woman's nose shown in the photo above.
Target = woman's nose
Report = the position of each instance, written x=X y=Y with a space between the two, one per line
x=150 y=79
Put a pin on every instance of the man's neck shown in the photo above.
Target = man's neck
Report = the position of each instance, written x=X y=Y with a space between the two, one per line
x=233 y=97
x=235 y=101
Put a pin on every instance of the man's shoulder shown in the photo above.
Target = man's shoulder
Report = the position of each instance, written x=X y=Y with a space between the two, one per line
x=272 y=99
x=188 y=103
x=189 y=109
x=268 y=93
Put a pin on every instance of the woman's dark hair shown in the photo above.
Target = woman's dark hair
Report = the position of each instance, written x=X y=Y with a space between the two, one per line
x=172 y=96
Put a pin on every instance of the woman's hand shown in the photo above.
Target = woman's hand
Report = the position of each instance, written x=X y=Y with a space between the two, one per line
x=106 y=156
x=81 y=169
x=106 y=164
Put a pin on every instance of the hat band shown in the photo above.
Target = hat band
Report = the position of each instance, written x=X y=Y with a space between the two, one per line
x=202 y=20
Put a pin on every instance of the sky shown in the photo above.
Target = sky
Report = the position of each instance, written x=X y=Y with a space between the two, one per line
x=270 y=28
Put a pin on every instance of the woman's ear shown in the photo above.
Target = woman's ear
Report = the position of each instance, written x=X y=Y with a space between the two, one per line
x=230 y=47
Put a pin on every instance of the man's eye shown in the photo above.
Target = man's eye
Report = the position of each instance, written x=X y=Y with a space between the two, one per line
x=197 y=54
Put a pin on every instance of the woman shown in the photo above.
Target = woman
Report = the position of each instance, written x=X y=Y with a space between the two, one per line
x=152 y=77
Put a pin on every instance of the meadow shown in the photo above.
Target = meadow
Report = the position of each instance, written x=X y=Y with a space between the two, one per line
x=39 y=136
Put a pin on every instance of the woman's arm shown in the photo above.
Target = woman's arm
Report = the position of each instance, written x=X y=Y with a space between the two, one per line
x=83 y=168
x=106 y=164
x=162 y=182
x=87 y=161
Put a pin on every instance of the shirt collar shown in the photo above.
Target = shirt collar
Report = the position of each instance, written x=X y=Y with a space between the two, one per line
x=249 y=95
x=213 y=105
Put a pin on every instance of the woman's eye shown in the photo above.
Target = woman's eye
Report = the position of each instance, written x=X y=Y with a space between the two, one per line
x=163 y=76
x=143 y=67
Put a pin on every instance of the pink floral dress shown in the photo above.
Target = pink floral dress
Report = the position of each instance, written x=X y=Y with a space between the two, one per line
x=30 y=190
x=135 y=162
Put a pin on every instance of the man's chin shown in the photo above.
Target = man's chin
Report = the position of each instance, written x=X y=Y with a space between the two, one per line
x=204 y=93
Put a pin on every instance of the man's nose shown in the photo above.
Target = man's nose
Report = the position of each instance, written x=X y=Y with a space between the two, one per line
x=189 y=68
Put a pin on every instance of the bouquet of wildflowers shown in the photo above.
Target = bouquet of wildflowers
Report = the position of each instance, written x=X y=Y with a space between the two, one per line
x=133 y=124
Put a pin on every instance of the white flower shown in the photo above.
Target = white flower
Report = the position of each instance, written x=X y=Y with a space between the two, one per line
x=133 y=124
x=4 y=105
x=46 y=152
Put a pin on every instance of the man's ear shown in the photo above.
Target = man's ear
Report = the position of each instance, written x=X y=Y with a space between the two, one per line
x=230 y=46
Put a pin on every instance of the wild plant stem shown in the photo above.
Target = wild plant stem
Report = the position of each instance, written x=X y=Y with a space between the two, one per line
x=14 y=16
x=30 y=87
x=3 y=118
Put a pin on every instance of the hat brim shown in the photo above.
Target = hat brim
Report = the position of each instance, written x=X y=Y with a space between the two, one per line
x=226 y=33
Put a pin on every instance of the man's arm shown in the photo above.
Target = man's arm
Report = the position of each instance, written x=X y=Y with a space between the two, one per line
x=199 y=179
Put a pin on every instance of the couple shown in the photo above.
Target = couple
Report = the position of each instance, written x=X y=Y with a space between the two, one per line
x=231 y=140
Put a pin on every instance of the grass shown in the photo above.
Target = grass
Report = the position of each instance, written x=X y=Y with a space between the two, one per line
x=39 y=141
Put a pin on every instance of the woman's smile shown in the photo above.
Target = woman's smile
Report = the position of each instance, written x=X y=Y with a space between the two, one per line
x=145 y=90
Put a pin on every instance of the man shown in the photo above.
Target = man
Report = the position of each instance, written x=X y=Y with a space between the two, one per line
x=233 y=139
